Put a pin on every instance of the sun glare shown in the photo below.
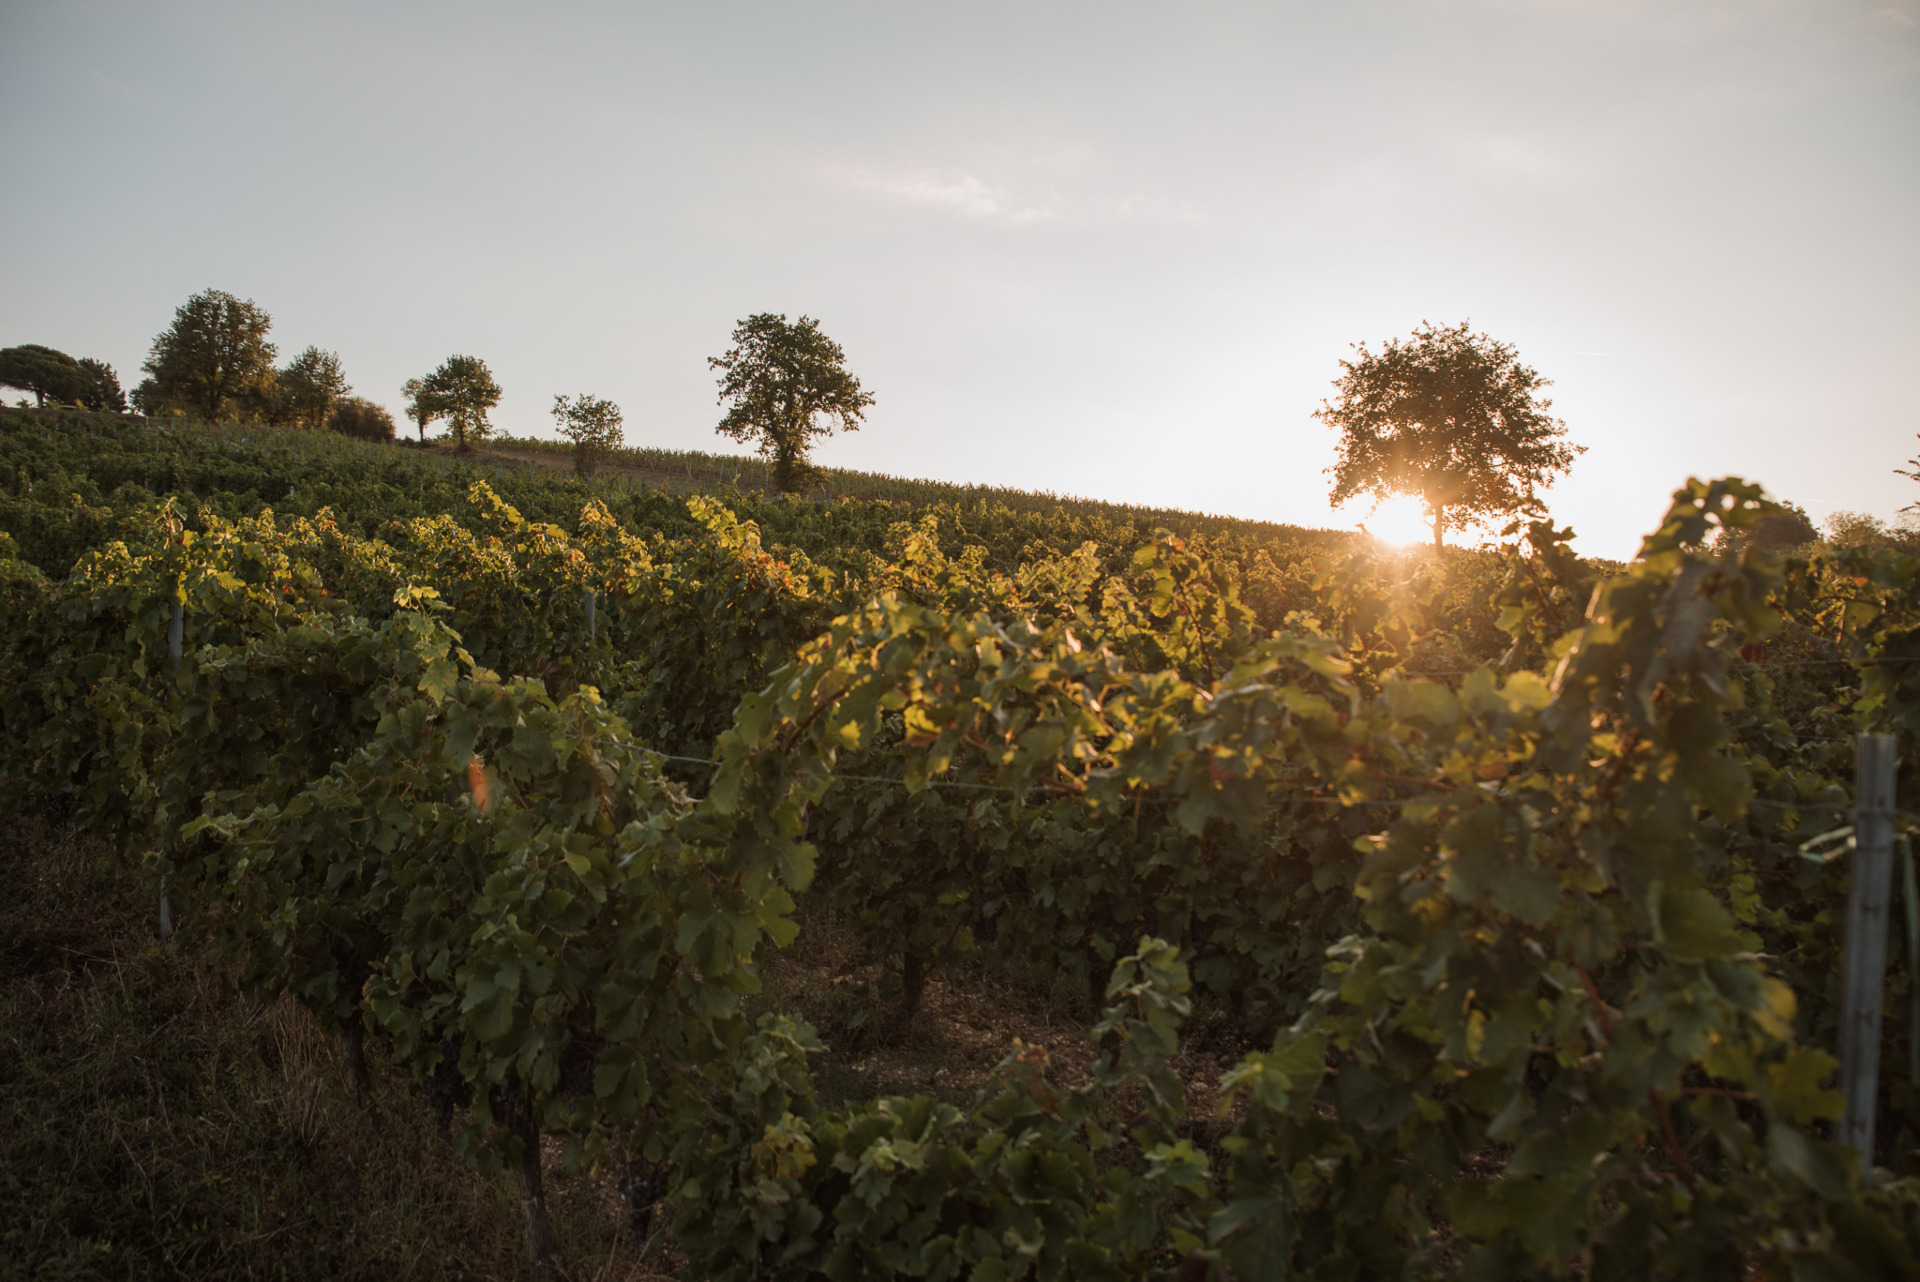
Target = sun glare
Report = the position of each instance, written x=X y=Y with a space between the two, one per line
x=1401 y=520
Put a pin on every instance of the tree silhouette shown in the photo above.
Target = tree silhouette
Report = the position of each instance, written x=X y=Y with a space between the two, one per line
x=593 y=424
x=783 y=380
x=47 y=373
x=214 y=356
x=100 y=388
x=1451 y=417
x=419 y=405
x=461 y=391
x=357 y=416
x=310 y=386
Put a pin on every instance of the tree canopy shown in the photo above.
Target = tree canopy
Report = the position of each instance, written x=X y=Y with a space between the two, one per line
x=100 y=387
x=359 y=417
x=52 y=375
x=419 y=406
x=309 y=387
x=593 y=424
x=787 y=383
x=214 y=358
x=1451 y=417
x=461 y=391
x=41 y=370
x=1782 y=530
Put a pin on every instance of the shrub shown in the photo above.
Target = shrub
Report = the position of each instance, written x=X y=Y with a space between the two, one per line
x=356 y=416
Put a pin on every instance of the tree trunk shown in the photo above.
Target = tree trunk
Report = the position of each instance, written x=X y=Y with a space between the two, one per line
x=788 y=469
x=1439 y=524
x=542 y=1244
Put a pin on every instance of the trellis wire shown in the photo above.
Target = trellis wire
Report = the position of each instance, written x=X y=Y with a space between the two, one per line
x=1306 y=797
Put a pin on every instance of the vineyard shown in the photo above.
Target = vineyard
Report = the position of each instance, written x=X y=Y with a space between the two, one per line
x=1515 y=882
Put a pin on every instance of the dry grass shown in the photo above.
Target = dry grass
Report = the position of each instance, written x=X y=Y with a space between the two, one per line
x=971 y=1015
x=153 y=1125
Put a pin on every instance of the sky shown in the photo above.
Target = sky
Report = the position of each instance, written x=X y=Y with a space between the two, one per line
x=1110 y=249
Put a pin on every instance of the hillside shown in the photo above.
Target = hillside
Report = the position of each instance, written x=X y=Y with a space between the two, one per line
x=112 y=462
x=776 y=888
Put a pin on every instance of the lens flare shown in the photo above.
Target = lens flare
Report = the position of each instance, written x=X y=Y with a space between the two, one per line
x=1400 y=521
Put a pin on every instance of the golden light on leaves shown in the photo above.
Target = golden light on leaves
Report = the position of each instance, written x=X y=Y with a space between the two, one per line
x=479 y=785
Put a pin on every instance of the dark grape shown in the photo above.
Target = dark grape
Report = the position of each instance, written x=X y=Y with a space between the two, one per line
x=643 y=1185
x=445 y=1089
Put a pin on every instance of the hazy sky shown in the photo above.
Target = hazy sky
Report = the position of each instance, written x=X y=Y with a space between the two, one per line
x=1112 y=249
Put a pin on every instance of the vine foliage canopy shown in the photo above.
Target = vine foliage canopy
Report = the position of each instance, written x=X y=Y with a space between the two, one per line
x=1451 y=417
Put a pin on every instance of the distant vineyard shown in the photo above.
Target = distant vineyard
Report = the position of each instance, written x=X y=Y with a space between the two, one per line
x=753 y=473
x=1500 y=858
x=277 y=451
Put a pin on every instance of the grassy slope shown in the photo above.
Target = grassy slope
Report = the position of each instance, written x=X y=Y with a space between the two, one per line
x=243 y=466
x=697 y=470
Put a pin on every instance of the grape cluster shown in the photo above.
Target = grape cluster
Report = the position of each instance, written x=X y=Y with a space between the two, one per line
x=445 y=1089
x=578 y=1061
x=643 y=1185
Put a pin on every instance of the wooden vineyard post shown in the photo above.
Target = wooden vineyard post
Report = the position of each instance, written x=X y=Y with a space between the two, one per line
x=176 y=646
x=1910 y=893
x=1868 y=902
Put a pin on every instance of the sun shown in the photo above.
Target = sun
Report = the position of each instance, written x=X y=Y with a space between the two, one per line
x=1400 y=520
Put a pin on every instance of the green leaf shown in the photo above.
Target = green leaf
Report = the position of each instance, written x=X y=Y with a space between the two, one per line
x=1255 y=1237
x=1797 y=1085
x=1821 y=1166
x=1692 y=923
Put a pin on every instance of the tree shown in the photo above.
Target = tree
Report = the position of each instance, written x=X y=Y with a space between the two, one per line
x=100 y=387
x=213 y=358
x=1780 y=531
x=146 y=398
x=310 y=385
x=263 y=402
x=54 y=375
x=594 y=427
x=48 y=374
x=1451 y=417
x=782 y=379
x=1859 y=529
x=461 y=391
x=358 y=417
x=420 y=407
